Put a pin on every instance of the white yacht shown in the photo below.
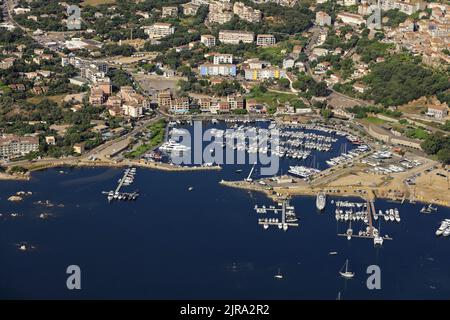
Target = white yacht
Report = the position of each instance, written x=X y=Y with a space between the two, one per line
x=321 y=201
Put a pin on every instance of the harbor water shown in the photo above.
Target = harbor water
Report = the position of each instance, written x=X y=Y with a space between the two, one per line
x=205 y=243
x=188 y=237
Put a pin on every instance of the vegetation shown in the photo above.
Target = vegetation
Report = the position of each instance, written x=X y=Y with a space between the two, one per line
x=156 y=138
x=439 y=145
x=402 y=78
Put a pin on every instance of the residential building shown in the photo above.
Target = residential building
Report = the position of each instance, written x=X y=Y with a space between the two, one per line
x=179 y=105
x=265 y=40
x=7 y=63
x=208 y=40
x=323 y=19
x=159 y=30
x=79 y=147
x=221 y=58
x=133 y=110
x=168 y=12
x=190 y=9
x=258 y=74
x=236 y=36
x=351 y=18
x=405 y=6
x=50 y=140
x=164 y=98
x=209 y=69
x=438 y=111
x=220 y=12
x=14 y=146
x=235 y=102
x=247 y=13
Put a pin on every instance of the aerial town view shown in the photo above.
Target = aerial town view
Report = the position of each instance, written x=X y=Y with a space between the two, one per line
x=225 y=149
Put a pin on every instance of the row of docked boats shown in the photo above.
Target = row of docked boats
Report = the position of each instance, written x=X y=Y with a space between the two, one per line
x=350 y=215
x=173 y=146
x=388 y=215
x=302 y=171
x=444 y=228
x=347 y=156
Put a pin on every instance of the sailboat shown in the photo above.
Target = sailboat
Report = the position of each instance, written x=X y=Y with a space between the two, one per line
x=278 y=275
x=346 y=274
x=249 y=179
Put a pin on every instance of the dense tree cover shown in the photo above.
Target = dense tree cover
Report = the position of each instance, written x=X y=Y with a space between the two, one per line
x=395 y=17
x=119 y=78
x=402 y=78
x=112 y=49
x=438 y=144
x=370 y=49
x=362 y=111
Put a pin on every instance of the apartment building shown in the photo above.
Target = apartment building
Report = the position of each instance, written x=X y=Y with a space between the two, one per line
x=159 y=30
x=236 y=36
x=180 y=105
x=168 y=12
x=14 y=146
x=351 y=18
x=208 y=40
x=209 y=69
x=223 y=58
x=323 y=19
x=190 y=9
x=247 y=13
x=265 y=40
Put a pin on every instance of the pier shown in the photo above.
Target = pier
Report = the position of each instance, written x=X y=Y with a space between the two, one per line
x=127 y=179
x=288 y=217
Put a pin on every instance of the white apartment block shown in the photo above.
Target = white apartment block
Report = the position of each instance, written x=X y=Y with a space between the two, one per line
x=348 y=3
x=247 y=13
x=169 y=12
x=208 y=40
x=132 y=110
x=351 y=18
x=221 y=58
x=236 y=36
x=405 y=6
x=159 y=30
x=323 y=19
x=265 y=40
x=15 y=146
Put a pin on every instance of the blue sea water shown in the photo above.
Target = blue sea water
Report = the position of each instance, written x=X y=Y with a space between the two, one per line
x=202 y=244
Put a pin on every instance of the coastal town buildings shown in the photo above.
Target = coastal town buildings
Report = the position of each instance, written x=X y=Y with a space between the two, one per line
x=438 y=111
x=169 y=12
x=265 y=40
x=159 y=30
x=210 y=69
x=208 y=40
x=323 y=19
x=247 y=13
x=236 y=36
x=14 y=146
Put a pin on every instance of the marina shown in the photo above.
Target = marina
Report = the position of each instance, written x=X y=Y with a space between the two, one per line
x=287 y=212
x=125 y=181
